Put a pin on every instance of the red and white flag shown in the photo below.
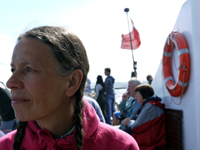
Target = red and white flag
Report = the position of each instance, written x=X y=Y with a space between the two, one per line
x=135 y=39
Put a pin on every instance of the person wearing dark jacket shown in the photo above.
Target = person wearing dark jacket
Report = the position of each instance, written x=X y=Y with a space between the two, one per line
x=149 y=127
x=110 y=95
x=100 y=93
x=6 y=110
x=96 y=107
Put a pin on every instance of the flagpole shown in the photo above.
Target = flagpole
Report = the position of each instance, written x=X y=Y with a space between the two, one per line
x=134 y=63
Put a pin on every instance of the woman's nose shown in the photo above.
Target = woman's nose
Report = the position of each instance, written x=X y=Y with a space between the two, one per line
x=14 y=82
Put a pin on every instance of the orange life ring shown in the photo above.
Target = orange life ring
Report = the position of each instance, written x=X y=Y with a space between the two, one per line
x=177 y=40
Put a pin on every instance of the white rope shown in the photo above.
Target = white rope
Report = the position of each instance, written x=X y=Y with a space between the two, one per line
x=181 y=91
x=184 y=67
x=163 y=87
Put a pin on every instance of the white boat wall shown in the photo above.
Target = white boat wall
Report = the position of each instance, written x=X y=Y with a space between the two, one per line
x=188 y=24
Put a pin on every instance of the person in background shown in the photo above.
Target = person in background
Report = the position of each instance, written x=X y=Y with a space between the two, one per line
x=88 y=87
x=96 y=107
x=1 y=133
x=93 y=102
x=128 y=106
x=49 y=71
x=6 y=110
x=100 y=93
x=110 y=95
x=149 y=127
x=149 y=79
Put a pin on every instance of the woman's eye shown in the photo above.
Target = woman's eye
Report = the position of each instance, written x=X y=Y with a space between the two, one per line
x=12 y=70
x=29 y=69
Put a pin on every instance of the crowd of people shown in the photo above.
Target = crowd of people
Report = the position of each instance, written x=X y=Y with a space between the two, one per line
x=51 y=104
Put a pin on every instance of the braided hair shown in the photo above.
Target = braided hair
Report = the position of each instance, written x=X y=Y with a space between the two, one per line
x=70 y=54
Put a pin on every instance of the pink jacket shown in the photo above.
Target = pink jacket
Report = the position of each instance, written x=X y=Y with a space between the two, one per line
x=97 y=135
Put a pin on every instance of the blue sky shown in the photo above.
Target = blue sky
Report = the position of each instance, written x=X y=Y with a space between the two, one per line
x=99 y=24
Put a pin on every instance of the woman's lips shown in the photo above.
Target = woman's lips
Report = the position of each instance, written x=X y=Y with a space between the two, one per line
x=18 y=100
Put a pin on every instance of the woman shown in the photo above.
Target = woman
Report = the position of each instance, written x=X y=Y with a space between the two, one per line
x=50 y=66
x=100 y=93
x=149 y=127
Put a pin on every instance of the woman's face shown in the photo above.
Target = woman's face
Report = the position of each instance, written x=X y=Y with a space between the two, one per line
x=37 y=90
x=130 y=89
x=139 y=97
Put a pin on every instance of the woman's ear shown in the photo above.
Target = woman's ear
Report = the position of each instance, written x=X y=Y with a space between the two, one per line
x=74 y=81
